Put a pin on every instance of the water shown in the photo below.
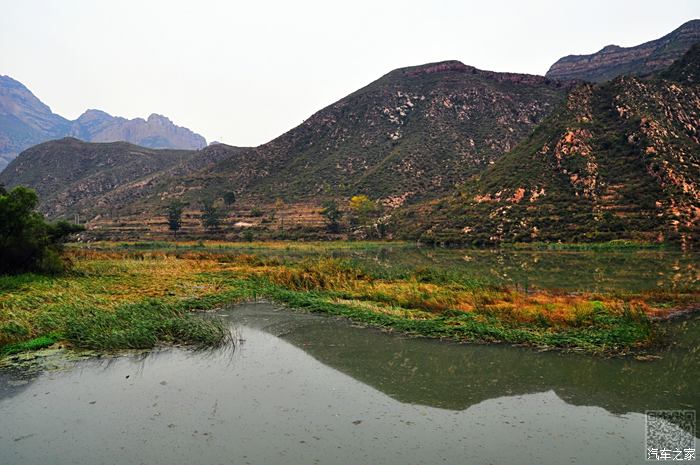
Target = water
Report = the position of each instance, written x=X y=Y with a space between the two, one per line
x=596 y=271
x=304 y=389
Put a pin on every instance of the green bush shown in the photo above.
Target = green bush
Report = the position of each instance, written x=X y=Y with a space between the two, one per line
x=27 y=241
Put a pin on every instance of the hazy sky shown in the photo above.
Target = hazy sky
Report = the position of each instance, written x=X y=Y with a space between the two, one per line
x=245 y=72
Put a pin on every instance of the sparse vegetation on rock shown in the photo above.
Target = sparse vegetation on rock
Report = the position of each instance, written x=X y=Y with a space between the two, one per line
x=618 y=160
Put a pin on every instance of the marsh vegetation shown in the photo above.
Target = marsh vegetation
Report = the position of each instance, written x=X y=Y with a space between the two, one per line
x=139 y=295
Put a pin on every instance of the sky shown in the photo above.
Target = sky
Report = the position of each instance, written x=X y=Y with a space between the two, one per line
x=245 y=72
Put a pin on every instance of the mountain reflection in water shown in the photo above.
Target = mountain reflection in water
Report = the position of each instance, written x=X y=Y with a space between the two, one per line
x=373 y=398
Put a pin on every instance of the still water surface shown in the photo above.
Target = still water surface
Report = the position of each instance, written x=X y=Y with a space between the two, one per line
x=573 y=270
x=304 y=389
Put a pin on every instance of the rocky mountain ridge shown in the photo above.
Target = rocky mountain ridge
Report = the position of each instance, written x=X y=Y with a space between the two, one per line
x=26 y=121
x=641 y=60
x=453 y=154
x=617 y=160
x=156 y=131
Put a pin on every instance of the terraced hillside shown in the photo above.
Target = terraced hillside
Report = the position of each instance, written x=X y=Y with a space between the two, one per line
x=297 y=220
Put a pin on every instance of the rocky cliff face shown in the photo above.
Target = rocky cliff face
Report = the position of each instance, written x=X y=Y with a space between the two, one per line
x=414 y=133
x=613 y=61
x=618 y=160
x=156 y=132
x=26 y=121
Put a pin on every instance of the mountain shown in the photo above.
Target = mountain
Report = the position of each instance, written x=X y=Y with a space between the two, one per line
x=156 y=132
x=414 y=133
x=454 y=153
x=641 y=60
x=617 y=160
x=76 y=177
x=26 y=121
x=686 y=69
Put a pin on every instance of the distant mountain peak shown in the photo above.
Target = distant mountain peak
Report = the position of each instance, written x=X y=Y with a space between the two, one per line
x=456 y=70
x=610 y=48
x=16 y=99
x=689 y=25
x=157 y=132
x=156 y=118
x=68 y=140
x=7 y=82
x=613 y=60
x=27 y=121
x=92 y=114
x=94 y=111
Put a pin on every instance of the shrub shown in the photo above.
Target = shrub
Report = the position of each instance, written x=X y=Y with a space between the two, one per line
x=211 y=217
x=27 y=241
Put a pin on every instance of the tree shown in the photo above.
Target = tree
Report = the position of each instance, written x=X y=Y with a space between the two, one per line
x=362 y=208
x=175 y=217
x=332 y=214
x=279 y=205
x=27 y=241
x=211 y=217
x=229 y=198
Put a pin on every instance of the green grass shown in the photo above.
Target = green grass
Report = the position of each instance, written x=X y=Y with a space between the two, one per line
x=37 y=343
x=607 y=334
x=141 y=298
x=106 y=305
x=139 y=326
